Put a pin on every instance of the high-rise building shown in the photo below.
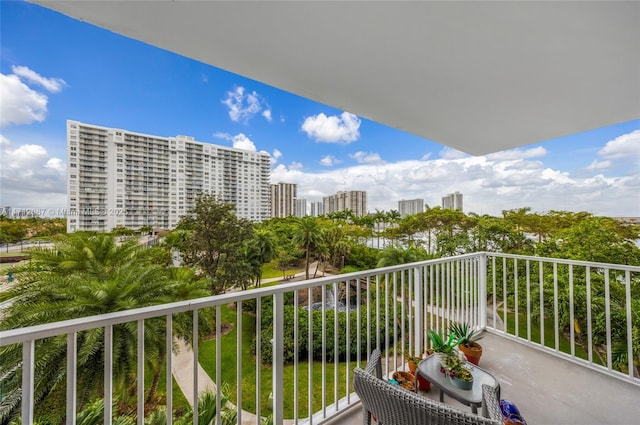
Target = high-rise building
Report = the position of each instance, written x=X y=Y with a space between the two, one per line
x=316 y=209
x=410 y=207
x=452 y=201
x=301 y=207
x=354 y=200
x=283 y=199
x=118 y=178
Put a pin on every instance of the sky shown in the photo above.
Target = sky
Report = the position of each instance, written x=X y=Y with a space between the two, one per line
x=54 y=68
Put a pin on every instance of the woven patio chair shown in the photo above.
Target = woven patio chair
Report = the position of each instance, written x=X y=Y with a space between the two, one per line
x=392 y=405
x=374 y=364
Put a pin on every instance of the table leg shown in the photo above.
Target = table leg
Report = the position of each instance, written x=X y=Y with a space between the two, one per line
x=474 y=409
x=441 y=396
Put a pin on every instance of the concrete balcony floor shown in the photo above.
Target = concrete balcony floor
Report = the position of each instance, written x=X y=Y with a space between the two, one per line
x=547 y=390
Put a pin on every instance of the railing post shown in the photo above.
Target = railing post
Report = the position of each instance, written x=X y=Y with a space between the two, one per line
x=28 y=376
x=278 y=358
x=418 y=327
x=482 y=290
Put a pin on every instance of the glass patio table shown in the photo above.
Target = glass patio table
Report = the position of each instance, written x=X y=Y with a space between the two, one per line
x=429 y=368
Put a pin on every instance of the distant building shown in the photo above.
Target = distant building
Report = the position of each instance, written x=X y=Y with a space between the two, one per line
x=410 y=207
x=283 y=199
x=301 y=207
x=119 y=178
x=354 y=200
x=316 y=209
x=452 y=201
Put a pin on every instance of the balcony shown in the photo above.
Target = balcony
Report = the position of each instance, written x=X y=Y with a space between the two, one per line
x=573 y=364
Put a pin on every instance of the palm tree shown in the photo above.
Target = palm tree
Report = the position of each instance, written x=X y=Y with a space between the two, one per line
x=102 y=278
x=307 y=235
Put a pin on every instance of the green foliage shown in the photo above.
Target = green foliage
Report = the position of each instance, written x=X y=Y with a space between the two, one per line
x=213 y=242
x=463 y=333
x=441 y=345
x=332 y=350
x=85 y=275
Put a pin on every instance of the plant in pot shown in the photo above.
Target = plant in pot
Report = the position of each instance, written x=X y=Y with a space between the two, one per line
x=455 y=368
x=441 y=346
x=467 y=341
x=412 y=361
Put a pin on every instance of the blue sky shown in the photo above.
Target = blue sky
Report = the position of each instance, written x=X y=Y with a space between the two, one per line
x=55 y=68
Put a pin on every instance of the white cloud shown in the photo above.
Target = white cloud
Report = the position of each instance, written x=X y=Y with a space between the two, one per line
x=52 y=85
x=223 y=136
x=240 y=141
x=599 y=165
x=625 y=147
x=332 y=129
x=267 y=115
x=22 y=104
x=488 y=184
x=518 y=153
x=295 y=166
x=366 y=157
x=243 y=106
x=329 y=161
x=276 y=154
x=450 y=153
x=30 y=177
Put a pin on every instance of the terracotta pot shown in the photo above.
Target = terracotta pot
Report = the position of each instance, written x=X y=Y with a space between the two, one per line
x=472 y=352
x=423 y=384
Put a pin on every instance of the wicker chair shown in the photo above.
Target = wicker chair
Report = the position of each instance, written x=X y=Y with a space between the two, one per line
x=374 y=364
x=392 y=405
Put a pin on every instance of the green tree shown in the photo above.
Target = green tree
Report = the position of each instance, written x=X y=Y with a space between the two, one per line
x=102 y=278
x=307 y=235
x=216 y=237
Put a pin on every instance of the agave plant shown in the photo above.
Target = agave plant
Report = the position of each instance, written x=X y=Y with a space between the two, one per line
x=464 y=334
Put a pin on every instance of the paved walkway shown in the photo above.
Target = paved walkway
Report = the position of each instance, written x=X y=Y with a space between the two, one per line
x=182 y=369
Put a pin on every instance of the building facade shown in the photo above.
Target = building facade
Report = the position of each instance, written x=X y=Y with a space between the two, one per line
x=283 y=199
x=354 y=200
x=301 y=207
x=410 y=207
x=452 y=201
x=120 y=178
x=316 y=209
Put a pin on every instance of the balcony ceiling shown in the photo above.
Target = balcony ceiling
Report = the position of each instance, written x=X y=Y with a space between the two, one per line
x=479 y=77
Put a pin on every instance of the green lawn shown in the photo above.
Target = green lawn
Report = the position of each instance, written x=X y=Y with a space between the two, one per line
x=207 y=354
x=549 y=334
x=269 y=270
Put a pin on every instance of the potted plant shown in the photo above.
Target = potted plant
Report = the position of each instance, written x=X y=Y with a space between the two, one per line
x=441 y=346
x=423 y=383
x=467 y=341
x=412 y=361
x=455 y=368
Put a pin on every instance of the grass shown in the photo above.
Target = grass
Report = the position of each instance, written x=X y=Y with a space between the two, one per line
x=207 y=355
x=564 y=344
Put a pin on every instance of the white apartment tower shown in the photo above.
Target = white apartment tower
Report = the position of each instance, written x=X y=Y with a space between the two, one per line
x=283 y=199
x=316 y=209
x=452 y=201
x=354 y=200
x=410 y=207
x=118 y=177
x=301 y=207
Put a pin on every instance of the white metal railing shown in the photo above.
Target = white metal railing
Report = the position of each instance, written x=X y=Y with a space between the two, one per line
x=577 y=297
x=388 y=307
